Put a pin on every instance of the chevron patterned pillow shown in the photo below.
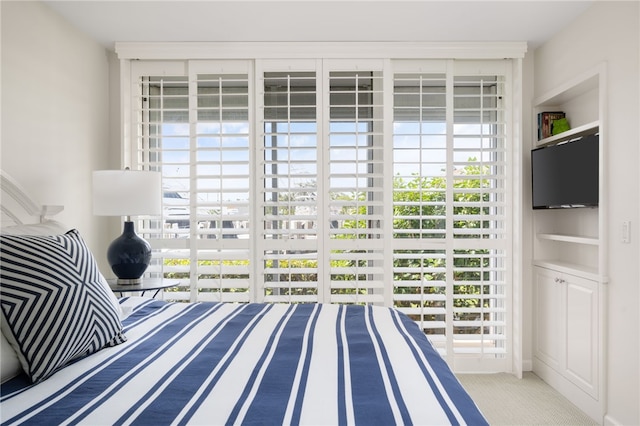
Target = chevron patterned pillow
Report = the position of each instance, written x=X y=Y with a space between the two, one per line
x=54 y=305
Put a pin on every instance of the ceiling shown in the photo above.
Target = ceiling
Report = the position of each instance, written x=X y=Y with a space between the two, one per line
x=109 y=21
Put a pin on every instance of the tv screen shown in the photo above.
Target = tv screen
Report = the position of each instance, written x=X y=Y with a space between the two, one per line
x=566 y=175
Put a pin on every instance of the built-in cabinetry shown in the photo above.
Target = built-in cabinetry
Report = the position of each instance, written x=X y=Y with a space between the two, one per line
x=570 y=262
x=568 y=336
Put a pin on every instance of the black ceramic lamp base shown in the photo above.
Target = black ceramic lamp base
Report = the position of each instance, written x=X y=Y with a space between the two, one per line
x=129 y=256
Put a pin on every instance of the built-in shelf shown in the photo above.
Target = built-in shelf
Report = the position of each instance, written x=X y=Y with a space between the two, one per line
x=585 y=129
x=570 y=259
x=590 y=273
x=572 y=89
x=576 y=239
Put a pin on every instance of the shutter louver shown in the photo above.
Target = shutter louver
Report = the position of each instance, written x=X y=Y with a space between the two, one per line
x=420 y=159
x=479 y=215
x=420 y=290
x=161 y=111
x=289 y=181
x=355 y=187
x=221 y=188
x=420 y=156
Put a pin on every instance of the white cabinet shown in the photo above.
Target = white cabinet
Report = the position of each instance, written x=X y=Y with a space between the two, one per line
x=567 y=332
x=582 y=331
x=548 y=305
x=570 y=261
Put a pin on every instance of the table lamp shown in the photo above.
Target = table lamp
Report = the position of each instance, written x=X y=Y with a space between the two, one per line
x=126 y=193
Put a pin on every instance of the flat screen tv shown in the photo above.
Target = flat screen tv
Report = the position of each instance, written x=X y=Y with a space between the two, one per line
x=566 y=175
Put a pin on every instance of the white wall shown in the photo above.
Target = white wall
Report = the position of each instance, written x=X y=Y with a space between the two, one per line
x=55 y=113
x=609 y=32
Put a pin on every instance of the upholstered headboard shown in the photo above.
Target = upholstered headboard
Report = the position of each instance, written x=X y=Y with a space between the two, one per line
x=18 y=207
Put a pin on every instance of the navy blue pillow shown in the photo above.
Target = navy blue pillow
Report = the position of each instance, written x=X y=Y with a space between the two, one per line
x=54 y=303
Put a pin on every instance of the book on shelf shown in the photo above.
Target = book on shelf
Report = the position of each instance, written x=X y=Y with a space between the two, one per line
x=545 y=123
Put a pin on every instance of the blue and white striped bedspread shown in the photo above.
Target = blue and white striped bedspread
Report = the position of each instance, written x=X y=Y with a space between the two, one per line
x=218 y=363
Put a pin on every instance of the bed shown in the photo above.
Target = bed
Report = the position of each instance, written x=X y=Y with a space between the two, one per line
x=147 y=361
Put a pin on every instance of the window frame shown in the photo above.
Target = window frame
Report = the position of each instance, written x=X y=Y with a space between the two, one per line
x=181 y=58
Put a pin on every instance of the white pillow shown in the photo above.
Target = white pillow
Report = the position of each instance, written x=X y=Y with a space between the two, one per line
x=9 y=362
x=48 y=227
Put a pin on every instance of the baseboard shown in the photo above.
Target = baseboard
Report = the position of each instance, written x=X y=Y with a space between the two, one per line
x=527 y=365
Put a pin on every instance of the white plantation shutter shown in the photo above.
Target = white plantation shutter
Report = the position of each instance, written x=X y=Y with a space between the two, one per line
x=420 y=159
x=479 y=215
x=220 y=195
x=420 y=153
x=450 y=206
x=350 y=198
x=161 y=135
x=337 y=181
x=288 y=181
x=197 y=127
x=355 y=183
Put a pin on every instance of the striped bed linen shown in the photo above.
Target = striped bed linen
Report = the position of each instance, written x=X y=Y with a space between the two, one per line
x=219 y=363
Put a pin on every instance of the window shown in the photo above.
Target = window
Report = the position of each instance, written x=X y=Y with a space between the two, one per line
x=288 y=183
x=336 y=181
x=197 y=135
x=450 y=208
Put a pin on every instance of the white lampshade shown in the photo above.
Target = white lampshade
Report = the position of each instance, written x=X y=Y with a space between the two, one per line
x=127 y=193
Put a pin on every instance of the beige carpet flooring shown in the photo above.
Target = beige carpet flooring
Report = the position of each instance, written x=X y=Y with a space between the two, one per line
x=506 y=400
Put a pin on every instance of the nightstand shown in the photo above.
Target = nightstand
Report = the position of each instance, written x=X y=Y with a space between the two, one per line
x=147 y=284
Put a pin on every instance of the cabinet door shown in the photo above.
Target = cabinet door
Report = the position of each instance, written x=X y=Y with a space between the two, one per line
x=582 y=333
x=549 y=317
